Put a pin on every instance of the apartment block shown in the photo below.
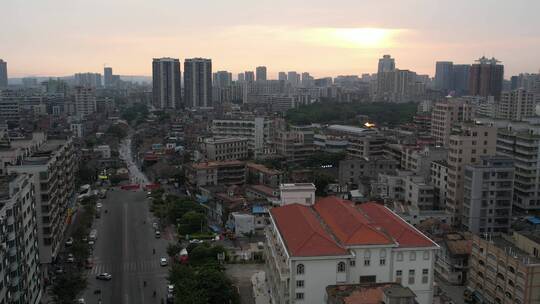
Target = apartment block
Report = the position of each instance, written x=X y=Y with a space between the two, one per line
x=516 y=105
x=20 y=276
x=295 y=143
x=257 y=130
x=467 y=143
x=230 y=148
x=335 y=242
x=85 y=101
x=363 y=142
x=418 y=159
x=52 y=168
x=505 y=268
x=445 y=114
x=487 y=197
x=523 y=146
x=356 y=170
x=225 y=173
x=439 y=179
x=452 y=263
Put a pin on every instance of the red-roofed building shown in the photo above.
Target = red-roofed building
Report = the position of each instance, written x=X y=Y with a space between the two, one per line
x=335 y=241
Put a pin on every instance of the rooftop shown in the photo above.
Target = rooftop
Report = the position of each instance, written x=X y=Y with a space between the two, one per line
x=215 y=164
x=366 y=293
x=338 y=224
x=263 y=169
x=303 y=233
x=350 y=129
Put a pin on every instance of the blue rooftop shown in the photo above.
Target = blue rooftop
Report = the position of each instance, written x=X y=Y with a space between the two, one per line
x=533 y=220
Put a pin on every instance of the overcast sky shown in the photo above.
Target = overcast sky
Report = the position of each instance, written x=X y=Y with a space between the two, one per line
x=325 y=38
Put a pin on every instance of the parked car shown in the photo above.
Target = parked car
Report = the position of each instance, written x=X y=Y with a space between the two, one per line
x=196 y=241
x=163 y=262
x=104 y=276
x=70 y=258
x=80 y=301
x=157 y=234
x=69 y=242
x=155 y=225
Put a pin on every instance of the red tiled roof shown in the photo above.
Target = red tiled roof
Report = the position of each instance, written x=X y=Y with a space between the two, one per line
x=303 y=233
x=401 y=231
x=349 y=225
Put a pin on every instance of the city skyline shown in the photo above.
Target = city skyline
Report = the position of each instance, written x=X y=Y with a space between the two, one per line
x=283 y=37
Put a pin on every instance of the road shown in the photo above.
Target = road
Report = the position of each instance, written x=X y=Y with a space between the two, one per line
x=135 y=175
x=124 y=247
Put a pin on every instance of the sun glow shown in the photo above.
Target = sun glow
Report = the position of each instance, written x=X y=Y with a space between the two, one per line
x=353 y=37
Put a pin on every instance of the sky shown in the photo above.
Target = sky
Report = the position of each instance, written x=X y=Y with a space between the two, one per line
x=325 y=38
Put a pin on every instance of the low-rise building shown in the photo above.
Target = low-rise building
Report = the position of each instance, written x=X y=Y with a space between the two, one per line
x=104 y=151
x=262 y=175
x=302 y=193
x=391 y=293
x=419 y=160
x=225 y=173
x=223 y=149
x=20 y=276
x=438 y=178
x=452 y=263
x=335 y=242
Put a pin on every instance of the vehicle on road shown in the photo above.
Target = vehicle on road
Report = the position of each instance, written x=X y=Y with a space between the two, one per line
x=91 y=243
x=155 y=225
x=158 y=234
x=196 y=241
x=104 y=276
x=93 y=235
x=59 y=270
x=163 y=262
x=69 y=242
x=70 y=258
x=99 y=205
x=80 y=301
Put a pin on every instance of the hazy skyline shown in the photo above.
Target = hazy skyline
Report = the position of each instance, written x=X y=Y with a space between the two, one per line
x=62 y=37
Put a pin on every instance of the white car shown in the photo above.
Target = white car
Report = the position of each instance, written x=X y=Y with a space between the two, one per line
x=104 y=276
x=70 y=258
x=163 y=262
x=69 y=242
x=81 y=301
x=196 y=241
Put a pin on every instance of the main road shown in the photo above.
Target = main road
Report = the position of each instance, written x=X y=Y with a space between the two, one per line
x=125 y=248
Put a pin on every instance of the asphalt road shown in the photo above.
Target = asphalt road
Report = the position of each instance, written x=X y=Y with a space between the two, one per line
x=124 y=248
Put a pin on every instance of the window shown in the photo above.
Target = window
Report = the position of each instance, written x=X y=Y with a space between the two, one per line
x=425 y=276
x=367 y=262
x=299 y=295
x=400 y=256
x=368 y=279
x=299 y=283
x=426 y=254
x=341 y=267
x=411 y=276
x=300 y=269
x=352 y=263
x=412 y=256
x=399 y=274
x=382 y=262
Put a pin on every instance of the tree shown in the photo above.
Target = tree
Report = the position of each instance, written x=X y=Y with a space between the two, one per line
x=173 y=250
x=67 y=286
x=322 y=180
x=192 y=222
x=117 y=131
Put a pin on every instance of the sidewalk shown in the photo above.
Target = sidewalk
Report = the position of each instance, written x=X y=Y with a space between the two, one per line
x=260 y=288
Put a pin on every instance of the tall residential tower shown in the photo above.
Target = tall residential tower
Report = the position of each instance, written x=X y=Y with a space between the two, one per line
x=166 y=90
x=198 y=83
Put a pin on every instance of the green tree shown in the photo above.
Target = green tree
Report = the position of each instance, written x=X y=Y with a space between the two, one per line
x=192 y=222
x=173 y=249
x=322 y=180
x=67 y=286
x=117 y=131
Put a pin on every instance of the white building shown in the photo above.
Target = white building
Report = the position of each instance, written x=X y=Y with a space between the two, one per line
x=20 y=279
x=487 y=195
x=85 y=101
x=228 y=148
x=335 y=242
x=256 y=129
x=516 y=105
x=303 y=194
x=242 y=223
